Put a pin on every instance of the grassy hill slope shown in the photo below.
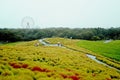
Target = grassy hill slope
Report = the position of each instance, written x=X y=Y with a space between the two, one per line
x=24 y=61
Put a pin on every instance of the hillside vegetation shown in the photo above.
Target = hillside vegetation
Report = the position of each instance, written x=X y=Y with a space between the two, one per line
x=84 y=45
x=24 y=61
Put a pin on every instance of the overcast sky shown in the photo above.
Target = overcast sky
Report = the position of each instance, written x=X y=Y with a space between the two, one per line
x=61 y=13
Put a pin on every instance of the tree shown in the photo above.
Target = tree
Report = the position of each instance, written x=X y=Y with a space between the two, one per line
x=95 y=38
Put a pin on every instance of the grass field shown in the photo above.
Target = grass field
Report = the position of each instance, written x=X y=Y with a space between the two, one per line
x=24 y=61
x=111 y=49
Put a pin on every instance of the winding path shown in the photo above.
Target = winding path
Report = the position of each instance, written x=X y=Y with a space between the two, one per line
x=42 y=41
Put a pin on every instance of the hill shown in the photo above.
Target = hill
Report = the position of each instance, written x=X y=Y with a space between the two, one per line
x=24 y=61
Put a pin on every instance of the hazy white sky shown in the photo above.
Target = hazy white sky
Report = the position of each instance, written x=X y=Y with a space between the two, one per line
x=61 y=13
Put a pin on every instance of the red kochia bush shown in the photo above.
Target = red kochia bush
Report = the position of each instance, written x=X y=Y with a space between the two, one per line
x=12 y=64
x=45 y=70
x=74 y=77
x=18 y=65
x=36 y=68
x=21 y=65
x=15 y=65
x=24 y=65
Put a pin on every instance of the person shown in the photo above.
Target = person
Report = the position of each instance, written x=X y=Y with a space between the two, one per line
x=59 y=44
x=37 y=44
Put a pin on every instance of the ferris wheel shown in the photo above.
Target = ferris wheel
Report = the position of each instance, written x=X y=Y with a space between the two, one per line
x=27 y=22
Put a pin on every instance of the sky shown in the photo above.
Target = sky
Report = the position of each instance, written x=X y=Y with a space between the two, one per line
x=60 y=13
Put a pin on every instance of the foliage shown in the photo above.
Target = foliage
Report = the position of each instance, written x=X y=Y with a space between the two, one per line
x=95 y=38
x=24 y=61
x=12 y=35
x=85 y=46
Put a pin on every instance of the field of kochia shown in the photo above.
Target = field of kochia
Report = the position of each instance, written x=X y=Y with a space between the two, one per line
x=24 y=61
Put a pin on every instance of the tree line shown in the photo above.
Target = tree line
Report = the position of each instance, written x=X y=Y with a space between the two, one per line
x=12 y=35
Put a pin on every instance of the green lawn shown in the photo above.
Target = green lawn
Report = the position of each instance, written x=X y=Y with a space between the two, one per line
x=111 y=49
